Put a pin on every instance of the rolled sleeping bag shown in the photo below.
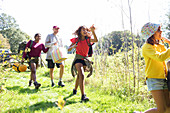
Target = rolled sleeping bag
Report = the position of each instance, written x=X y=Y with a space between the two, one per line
x=19 y=67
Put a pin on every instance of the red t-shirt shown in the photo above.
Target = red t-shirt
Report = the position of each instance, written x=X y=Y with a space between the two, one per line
x=82 y=46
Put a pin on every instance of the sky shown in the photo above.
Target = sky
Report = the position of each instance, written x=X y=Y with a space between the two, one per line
x=39 y=16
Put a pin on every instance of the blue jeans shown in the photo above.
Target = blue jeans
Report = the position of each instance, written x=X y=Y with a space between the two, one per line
x=156 y=84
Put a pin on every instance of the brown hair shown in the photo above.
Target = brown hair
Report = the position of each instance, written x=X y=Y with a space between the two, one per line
x=78 y=32
x=151 y=40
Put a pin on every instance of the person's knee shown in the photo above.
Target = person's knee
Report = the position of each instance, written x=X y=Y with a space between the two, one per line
x=78 y=66
x=61 y=66
x=33 y=71
x=51 y=71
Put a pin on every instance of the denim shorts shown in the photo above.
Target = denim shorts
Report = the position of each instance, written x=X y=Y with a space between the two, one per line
x=156 y=84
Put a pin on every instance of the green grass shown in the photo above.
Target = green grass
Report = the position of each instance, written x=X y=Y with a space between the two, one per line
x=106 y=91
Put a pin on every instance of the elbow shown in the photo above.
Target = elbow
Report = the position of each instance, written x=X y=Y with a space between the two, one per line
x=96 y=40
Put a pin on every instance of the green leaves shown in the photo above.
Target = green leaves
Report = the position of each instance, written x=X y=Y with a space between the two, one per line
x=7 y=22
x=4 y=42
x=10 y=30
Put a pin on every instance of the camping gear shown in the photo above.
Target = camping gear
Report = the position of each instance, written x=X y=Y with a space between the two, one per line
x=19 y=67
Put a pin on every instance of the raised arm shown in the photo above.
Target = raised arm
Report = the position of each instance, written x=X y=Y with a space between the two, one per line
x=150 y=52
x=92 y=28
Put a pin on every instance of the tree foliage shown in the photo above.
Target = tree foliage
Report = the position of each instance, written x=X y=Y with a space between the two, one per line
x=7 y=22
x=168 y=25
x=9 y=29
x=118 y=41
x=4 y=43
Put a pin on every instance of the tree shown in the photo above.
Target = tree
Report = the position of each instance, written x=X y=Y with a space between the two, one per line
x=7 y=22
x=10 y=30
x=114 y=41
x=167 y=28
x=4 y=43
x=15 y=36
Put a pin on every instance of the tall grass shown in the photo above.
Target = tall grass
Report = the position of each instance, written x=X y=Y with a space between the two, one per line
x=110 y=75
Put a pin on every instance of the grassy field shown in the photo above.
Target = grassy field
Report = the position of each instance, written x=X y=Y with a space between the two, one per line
x=105 y=89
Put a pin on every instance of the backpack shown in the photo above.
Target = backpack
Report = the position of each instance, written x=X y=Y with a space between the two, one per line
x=90 y=52
x=27 y=54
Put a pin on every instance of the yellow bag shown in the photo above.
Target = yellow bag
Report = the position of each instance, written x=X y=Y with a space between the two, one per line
x=19 y=67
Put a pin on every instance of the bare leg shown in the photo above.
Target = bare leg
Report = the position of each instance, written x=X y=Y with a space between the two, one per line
x=166 y=93
x=51 y=73
x=80 y=70
x=33 y=71
x=160 y=101
x=77 y=83
x=61 y=71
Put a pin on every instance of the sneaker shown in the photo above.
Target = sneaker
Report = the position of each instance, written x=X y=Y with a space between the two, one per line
x=74 y=92
x=52 y=85
x=30 y=82
x=60 y=83
x=37 y=85
x=84 y=98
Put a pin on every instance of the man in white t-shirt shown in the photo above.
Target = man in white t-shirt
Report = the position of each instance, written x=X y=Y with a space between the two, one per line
x=52 y=41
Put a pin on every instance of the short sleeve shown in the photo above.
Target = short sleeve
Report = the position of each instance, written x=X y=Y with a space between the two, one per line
x=73 y=40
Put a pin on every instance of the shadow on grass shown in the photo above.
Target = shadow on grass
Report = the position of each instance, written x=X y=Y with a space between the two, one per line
x=35 y=107
x=69 y=101
x=22 y=90
x=45 y=74
x=69 y=80
x=40 y=106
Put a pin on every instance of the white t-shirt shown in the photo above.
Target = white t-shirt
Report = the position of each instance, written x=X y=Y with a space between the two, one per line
x=49 y=42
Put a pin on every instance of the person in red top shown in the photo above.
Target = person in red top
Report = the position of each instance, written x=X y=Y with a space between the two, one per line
x=34 y=55
x=82 y=48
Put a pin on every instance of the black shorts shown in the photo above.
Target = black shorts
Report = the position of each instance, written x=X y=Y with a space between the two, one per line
x=80 y=61
x=51 y=64
x=33 y=60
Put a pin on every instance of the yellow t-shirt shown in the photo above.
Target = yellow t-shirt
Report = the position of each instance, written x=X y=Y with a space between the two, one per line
x=155 y=56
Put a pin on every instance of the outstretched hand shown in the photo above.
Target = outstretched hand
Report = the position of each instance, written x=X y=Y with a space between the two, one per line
x=92 y=28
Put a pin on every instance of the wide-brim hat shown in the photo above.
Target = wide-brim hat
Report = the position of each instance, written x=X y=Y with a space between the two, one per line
x=149 y=29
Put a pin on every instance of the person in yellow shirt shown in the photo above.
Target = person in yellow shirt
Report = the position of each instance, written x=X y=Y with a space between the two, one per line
x=155 y=55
